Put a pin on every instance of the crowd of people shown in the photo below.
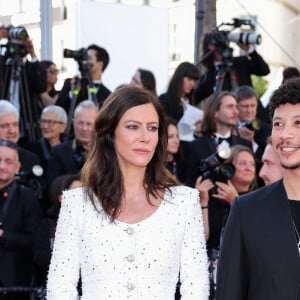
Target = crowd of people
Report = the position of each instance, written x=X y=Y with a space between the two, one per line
x=102 y=194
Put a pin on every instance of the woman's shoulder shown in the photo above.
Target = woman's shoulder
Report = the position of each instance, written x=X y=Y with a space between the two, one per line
x=182 y=194
x=75 y=197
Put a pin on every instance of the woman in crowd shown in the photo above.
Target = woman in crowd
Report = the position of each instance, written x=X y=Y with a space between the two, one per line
x=180 y=90
x=53 y=123
x=174 y=161
x=50 y=95
x=144 y=79
x=130 y=229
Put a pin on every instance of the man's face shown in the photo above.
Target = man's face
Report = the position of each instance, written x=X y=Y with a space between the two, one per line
x=92 y=58
x=9 y=128
x=227 y=114
x=84 y=124
x=286 y=135
x=9 y=165
x=247 y=109
x=271 y=169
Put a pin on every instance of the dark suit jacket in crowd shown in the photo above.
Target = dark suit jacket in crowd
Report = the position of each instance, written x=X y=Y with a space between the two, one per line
x=243 y=66
x=259 y=254
x=64 y=160
x=64 y=100
x=199 y=149
x=20 y=221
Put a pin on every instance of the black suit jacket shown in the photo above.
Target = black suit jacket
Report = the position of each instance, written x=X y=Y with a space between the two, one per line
x=64 y=160
x=22 y=217
x=243 y=66
x=259 y=255
x=199 y=149
x=64 y=100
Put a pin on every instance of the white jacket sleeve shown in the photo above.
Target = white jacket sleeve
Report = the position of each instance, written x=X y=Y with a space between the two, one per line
x=64 y=267
x=194 y=263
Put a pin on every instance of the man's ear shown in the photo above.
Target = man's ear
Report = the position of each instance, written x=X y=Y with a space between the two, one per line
x=18 y=167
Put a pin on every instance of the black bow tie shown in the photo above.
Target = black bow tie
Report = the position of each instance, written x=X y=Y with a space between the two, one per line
x=221 y=139
x=96 y=85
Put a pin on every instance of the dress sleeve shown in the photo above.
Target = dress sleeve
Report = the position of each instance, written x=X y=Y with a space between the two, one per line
x=64 y=267
x=194 y=262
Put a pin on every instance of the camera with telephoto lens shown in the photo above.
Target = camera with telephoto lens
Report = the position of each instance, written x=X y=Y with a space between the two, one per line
x=222 y=38
x=251 y=125
x=214 y=168
x=17 y=33
x=15 y=47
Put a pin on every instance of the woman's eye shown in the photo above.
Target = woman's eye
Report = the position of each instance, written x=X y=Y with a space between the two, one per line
x=153 y=128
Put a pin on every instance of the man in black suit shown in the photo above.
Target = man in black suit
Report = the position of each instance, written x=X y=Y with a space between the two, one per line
x=250 y=127
x=260 y=252
x=242 y=66
x=9 y=130
x=98 y=59
x=220 y=119
x=19 y=215
x=219 y=122
x=69 y=157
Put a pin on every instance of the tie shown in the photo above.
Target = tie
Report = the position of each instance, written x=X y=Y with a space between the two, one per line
x=96 y=85
x=221 y=139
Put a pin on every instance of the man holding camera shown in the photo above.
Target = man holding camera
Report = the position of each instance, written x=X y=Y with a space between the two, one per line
x=217 y=60
x=21 y=81
x=90 y=83
x=20 y=214
x=249 y=126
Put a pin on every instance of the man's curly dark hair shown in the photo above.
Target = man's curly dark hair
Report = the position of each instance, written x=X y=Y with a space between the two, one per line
x=289 y=92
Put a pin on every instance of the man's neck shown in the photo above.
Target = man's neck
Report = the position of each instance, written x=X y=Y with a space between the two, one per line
x=291 y=181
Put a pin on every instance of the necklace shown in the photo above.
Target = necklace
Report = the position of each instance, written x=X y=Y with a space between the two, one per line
x=298 y=236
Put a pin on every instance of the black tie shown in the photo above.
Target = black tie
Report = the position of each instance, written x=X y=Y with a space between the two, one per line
x=221 y=139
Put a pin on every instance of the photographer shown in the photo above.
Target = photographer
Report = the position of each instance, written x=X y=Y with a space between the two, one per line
x=249 y=126
x=216 y=54
x=219 y=192
x=21 y=80
x=92 y=63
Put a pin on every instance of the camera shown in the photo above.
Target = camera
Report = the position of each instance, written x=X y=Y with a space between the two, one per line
x=14 y=47
x=17 y=33
x=214 y=168
x=251 y=125
x=221 y=38
x=78 y=55
x=33 y=179
x=81 y=57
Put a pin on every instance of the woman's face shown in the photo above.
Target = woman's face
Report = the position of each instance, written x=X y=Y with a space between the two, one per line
x=136 y=136
x=52 y=73
x=136 y=80
x=188 y=85
x=244 y=168
x=173 y=139
x=51 y=127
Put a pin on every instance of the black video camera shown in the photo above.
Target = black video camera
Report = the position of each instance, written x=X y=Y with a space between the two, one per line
x=78 y=55
x=81 y=56
x=214 y=168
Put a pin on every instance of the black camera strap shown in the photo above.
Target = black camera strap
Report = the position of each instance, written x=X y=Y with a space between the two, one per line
x=10 y=192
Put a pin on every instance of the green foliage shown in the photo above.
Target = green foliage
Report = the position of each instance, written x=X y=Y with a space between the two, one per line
x=260 y=84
